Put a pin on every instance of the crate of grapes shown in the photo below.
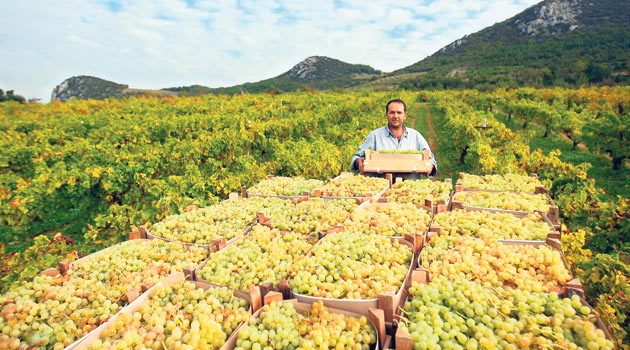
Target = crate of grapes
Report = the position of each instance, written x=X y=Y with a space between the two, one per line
x=350 y=186
x=507 y=202
x=135 y=324
x=282 y=187
x=212 y=226
x=534 y=266
x=391 y=219
x=481 y=223
x=426 y=192
x=190 y=257
x=500 y=183
x=432 y=304
x=351 y=291
x=382 y=162
x=311 y=216
x=262 y=258
x=114 y=276
x=314 y=324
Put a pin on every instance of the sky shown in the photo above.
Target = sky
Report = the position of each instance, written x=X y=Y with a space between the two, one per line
x=166 y=43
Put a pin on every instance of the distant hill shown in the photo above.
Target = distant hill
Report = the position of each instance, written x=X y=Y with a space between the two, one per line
x=87 y=87
x=315 y=72
x=556 y=42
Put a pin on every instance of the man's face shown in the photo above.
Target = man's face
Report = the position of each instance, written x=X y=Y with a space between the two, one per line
x=396 y=115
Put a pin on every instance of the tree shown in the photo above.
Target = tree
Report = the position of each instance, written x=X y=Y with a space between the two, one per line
x=610 y=133
x=597 y=72
x=571 y=124
x=11 y=96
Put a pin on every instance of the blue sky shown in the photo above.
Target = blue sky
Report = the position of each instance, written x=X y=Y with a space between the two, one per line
x=165 y=43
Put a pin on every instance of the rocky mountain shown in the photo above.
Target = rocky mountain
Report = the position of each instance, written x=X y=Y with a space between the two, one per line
x=86 y=87
x=555 y=42
x=315 y=72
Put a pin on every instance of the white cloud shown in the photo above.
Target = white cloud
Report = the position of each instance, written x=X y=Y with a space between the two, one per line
x=156 y=44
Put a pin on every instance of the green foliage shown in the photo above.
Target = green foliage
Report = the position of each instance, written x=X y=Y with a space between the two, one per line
x=43 y=254
x=95 y=170
x=11 y=96
x=610 y=133
x=606 y=283
x=506 y=55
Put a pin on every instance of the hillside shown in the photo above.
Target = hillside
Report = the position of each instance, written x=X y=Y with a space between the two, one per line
x=556 y=42
x=315 y=72
x=87 y=87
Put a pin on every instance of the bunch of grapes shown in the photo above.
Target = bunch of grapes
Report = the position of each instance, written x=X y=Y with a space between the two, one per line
x=507 y=182
x=489 y=225
x=313 y=215
x=417 y=191
x=263 y=255
x=527 y=267
x=54 y=312
x=281 y=326
x=464 y=315
x=285 y=186
x=133 y=263
x=354 y=186
x=352 y=266
x=177 y=316
x=226 y=219
x=388 y=219
x=504 y=200
x=400 y=152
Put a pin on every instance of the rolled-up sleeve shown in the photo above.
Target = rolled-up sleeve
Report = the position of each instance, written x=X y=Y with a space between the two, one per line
x=369 y=143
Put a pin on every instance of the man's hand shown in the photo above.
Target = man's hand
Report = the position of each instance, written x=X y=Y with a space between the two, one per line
x=359 y=162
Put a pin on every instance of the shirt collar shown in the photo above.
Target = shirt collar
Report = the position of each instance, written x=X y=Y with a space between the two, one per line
x=392 y=135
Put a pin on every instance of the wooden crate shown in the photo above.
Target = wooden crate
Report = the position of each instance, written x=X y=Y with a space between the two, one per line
x=375 y=317
x=217 y=244
x=417 y=238
x=573 y=286
x=263 y=288
x=459 y=187
x=247 y=193
x=133 y=293
x=368 y=196
x=403 y=340
x=381 y=163
x=385 y=301
x=554 y=233
x=553 y=214
x=436 y=206
x=136 y=304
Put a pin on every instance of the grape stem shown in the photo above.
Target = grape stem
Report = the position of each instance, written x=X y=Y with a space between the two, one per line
x=41 y=342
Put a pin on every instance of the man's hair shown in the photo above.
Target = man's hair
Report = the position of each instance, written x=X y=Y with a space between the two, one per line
x=396 y=101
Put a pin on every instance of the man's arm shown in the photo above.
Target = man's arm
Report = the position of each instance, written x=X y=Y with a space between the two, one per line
x=368 y=143
x=434 y=171
x=423 y=144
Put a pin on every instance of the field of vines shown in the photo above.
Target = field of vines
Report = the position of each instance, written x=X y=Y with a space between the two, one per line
x=76 y=177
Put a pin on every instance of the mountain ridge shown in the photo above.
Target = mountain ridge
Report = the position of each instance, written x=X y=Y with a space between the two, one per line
x=553 y=43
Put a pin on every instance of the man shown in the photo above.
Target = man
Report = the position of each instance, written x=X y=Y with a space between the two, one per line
x=394 y=136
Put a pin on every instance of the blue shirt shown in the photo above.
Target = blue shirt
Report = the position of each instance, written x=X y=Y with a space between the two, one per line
x=382 y=139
